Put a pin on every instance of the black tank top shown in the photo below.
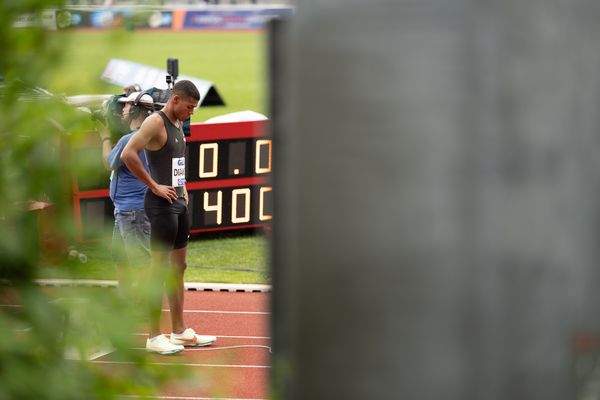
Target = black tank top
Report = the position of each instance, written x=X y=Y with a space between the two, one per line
x=167 y=164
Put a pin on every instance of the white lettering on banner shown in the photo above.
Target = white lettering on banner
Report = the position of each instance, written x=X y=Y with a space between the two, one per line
x=178 y=169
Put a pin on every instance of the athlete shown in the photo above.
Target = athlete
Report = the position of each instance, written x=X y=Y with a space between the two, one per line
x=161 y=136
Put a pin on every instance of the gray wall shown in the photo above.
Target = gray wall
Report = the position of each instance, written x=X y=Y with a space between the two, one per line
x=437 y=198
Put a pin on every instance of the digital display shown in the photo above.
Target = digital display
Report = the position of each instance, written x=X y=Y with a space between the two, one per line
x=228 y=207
x=228 y=174
x=226 y=159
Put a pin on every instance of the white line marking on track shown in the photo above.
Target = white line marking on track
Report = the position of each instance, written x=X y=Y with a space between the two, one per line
x=213 y=348
x=190 y=286
x=245 y=337
x=186 y=364
x=223 y=312
x=224 y=336
x=182 y=398
x=244 y=346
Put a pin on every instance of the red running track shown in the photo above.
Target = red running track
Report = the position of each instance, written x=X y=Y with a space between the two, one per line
x=238 y=365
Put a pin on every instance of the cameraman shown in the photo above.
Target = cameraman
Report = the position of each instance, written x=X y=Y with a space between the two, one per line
x=131 y=233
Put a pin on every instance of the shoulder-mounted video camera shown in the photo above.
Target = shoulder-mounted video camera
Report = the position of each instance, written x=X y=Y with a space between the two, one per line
x=112 y=111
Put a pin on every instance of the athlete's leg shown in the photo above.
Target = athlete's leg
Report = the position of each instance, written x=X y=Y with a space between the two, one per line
x=163 y=232
x=155 y=289
x=182 y=335
x=178 y=266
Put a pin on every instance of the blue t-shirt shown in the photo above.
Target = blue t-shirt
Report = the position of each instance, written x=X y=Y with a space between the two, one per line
x=126 y=191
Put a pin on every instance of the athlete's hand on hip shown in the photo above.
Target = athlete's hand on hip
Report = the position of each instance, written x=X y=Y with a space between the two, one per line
x=166 y=192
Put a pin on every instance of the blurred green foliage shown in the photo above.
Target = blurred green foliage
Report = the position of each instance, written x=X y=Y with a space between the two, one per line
x=48 y=335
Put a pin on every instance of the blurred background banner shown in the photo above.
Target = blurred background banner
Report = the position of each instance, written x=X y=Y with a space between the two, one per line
x=176 y=17
x=71 y=17
x=232 y=19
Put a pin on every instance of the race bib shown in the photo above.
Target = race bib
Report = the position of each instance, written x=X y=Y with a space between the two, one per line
x=178 y=178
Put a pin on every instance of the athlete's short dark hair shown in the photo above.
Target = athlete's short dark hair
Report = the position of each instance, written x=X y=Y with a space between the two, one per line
x=186 y=88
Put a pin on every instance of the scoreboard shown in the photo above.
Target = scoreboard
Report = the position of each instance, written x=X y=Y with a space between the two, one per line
x=228 y=174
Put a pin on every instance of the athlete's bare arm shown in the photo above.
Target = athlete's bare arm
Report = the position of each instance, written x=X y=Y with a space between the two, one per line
x=152 y=135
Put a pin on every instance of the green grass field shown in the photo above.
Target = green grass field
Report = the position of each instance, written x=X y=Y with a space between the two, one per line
x=233 y=257
x=235 y=62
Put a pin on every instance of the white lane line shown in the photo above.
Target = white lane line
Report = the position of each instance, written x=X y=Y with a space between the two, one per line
x=186 y=364
x=223 y=312
x=245 y=337
x=213 y=348
x=190 y=286
x=183 y=398
x=224 y=336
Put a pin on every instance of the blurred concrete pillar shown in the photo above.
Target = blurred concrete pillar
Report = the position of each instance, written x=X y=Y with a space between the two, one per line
x=438 y=197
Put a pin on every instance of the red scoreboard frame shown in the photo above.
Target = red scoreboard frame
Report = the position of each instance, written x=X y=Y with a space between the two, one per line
x=228 y=174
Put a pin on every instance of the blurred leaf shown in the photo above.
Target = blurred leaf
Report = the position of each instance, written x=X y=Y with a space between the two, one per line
x=46 y=335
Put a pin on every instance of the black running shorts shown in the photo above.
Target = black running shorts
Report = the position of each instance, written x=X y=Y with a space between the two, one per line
x=169 y=223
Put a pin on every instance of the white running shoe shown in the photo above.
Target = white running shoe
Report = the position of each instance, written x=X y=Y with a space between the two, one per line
x=189 y=338
x=160 y=344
